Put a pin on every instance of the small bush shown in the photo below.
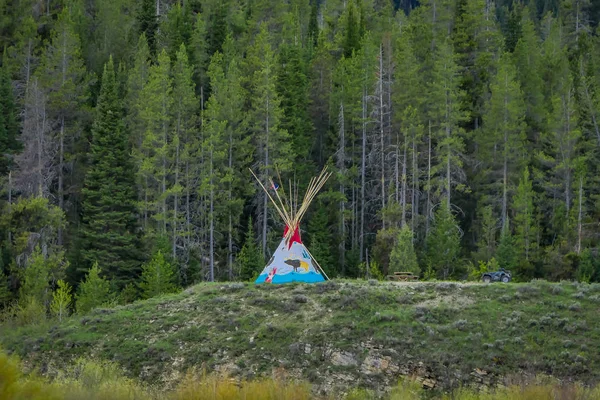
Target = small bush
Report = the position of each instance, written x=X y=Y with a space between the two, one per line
x=556 y=290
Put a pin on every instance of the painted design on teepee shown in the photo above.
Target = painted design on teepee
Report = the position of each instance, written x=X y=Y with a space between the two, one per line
x=292 y=261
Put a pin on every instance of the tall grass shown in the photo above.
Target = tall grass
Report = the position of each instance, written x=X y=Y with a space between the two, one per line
x=92 y=380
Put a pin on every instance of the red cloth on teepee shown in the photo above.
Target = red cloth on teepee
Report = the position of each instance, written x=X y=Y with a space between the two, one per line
x=294 y=238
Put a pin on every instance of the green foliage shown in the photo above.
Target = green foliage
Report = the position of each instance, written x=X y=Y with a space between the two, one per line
x=93 y=292
x=321 y=239
x=158 y=277
x=588 y=269
x=370 y=270
x=403 y=256
x=9 y=129
x=108 y=234
x=443 y=243
x=61 y=300
x=5 y=294
x=29 y=311
x=147 y=23
x=129 y=294
x=30 y=221
x=35 y=279
x=249 y=260
x=506 y=254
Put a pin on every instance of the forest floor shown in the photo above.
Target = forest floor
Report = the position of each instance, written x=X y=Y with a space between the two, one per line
x=338 y=334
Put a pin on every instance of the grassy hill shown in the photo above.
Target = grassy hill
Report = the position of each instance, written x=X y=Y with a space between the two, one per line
x=338 y=334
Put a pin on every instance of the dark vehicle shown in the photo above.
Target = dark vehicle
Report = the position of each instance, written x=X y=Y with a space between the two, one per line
x=498 y=276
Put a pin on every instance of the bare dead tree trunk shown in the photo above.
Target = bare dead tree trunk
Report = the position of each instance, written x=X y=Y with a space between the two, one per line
x=175 y=201
x=382 y=133
x=230 y=222
x=211 y=276
x=265 y=210
x=428 y=215
x=415 y=185
x=363 y=173
x=580 y=217
x=61 y=157
x=505 y=167
x=342 y=171
x=404 y=183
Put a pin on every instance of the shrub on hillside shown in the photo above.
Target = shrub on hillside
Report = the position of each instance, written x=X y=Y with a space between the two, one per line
x=93 y=292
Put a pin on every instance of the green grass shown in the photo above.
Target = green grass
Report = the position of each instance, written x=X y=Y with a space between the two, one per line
x=436 y=330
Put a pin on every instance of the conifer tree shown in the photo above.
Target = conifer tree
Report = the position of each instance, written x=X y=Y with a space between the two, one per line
x=443 y=243
x=524 y=219
x=136 y=81
x=529 y=71
x=476 y=40
x=249 y=259
x=239 y=149
x=93 y=292
x=506 y=254
x=446 y=114
x=147 y=20
x=154 y=154
x=184 y=149
x=486 y=245
x=109 y=226
x=9 y=129
x=403 y=256
x=503 y=142
x=35 y=279
x=292 y=87
x=321 y=239
x=271 y=141
x=158 y=277
x=215 y=149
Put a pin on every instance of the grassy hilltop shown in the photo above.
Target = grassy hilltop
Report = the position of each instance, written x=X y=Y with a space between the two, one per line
x=338 y=334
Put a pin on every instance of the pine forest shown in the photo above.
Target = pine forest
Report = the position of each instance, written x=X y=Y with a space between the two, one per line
x=463 y=136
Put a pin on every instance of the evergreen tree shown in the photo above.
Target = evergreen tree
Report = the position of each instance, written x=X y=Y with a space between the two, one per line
x=507 y=255
x=321 y=239
x=136 y=81
x=9 y=129
x=353 y=29
x=524 y=221
x=445 y=115
x=404 y=257
x=184 y=150
x=443 y=243
x=271 y=141
x=503 y=140
x=476 y=40
x=528 y=61
x=158 y=277
x=147 y=20
x=5 y=293
x=61 y=300
x=35 y=279
x=586 y=270
x=155 y=151
x=249 y=259
x=215 y=149
x=486 y=244
x=292 y=87
x=109 y=223
x=93 y=292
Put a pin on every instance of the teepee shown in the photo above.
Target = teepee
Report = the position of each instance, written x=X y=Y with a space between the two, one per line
x=291 y=261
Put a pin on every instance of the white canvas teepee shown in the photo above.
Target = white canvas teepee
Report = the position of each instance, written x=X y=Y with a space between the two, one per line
x=291 y=261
